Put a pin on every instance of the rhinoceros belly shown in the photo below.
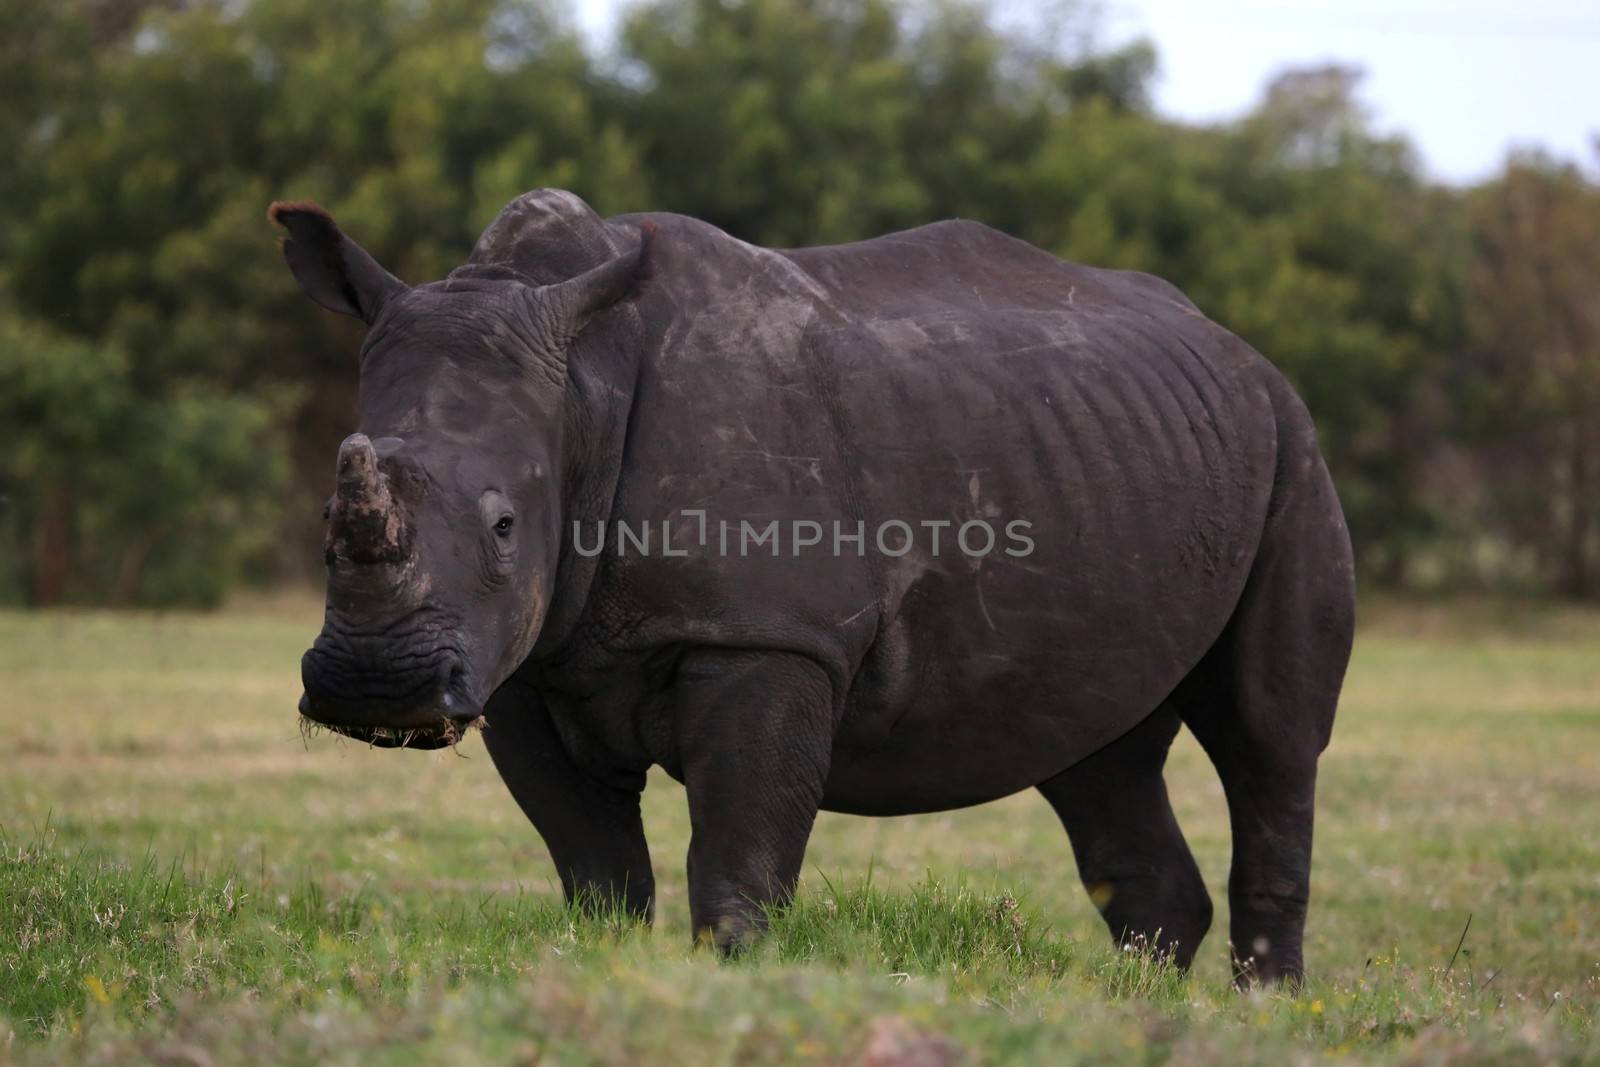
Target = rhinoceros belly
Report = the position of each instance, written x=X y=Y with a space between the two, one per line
x=1139 y=466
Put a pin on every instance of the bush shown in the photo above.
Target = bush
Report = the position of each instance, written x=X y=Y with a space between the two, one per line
x=106 y=495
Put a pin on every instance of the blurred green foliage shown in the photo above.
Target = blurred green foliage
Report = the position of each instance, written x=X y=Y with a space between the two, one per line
x=128 y=497
x=169 y=404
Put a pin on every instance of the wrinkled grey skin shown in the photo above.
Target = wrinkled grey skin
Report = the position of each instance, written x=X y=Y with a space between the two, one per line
x=1190 y=561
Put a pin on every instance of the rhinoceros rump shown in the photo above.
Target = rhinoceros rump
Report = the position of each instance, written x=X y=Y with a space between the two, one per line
x=1170 y=551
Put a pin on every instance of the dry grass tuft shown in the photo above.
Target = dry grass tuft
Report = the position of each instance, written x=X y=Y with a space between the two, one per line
x=448 y=734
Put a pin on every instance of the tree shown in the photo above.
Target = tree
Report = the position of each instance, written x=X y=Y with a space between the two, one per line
x=141 y=236
x=119 y=498
x=149 y=325
x=1533 y=398
x=793 y=122
x=1346 y=271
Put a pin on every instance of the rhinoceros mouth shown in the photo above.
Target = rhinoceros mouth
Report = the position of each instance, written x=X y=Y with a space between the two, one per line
x=446 y=733
x=364 y=706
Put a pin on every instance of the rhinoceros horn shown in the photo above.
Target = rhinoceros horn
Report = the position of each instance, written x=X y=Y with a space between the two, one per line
x=367 y=524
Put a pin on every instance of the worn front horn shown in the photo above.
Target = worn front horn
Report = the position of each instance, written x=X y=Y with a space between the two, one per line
x=366 y=522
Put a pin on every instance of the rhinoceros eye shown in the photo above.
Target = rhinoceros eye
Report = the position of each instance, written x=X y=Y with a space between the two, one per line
x=503 y=527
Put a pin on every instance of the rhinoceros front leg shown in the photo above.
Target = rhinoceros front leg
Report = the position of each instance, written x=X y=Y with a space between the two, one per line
x=590 y=824
x=755 y=735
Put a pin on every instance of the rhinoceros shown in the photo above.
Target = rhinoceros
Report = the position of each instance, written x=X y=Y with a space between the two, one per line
x=888 y=527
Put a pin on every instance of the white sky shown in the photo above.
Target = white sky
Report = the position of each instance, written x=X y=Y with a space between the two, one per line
x=1465 y=80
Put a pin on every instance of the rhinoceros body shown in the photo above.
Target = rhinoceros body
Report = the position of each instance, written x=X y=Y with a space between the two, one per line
x=889 y=527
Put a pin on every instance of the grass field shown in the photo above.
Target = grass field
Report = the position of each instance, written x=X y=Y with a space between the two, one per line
x=184 y=880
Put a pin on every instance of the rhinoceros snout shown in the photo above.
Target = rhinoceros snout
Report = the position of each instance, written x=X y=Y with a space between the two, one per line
x=364 y=691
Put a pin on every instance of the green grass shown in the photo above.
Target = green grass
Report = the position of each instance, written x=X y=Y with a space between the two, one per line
x=184 y=880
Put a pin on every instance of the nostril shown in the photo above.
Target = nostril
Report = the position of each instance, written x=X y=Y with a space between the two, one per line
x=320 y=674
x=308 y=672
x=455 y=698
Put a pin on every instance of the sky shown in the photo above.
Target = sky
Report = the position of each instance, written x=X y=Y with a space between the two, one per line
x=1465 y=80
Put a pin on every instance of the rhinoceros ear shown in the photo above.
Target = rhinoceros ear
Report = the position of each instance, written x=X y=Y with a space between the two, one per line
x=574 y=302
x=333 y=270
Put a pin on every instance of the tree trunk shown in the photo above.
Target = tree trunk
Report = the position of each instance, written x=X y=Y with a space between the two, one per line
x=52 y=547
x=130 y=570
x=1577 y=576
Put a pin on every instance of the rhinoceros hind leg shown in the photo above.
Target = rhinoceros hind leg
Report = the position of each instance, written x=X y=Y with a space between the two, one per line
x=1131 y=854
x=1262 y=703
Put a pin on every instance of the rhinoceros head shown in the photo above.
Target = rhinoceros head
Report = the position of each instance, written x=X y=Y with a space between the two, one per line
x=444 y=528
